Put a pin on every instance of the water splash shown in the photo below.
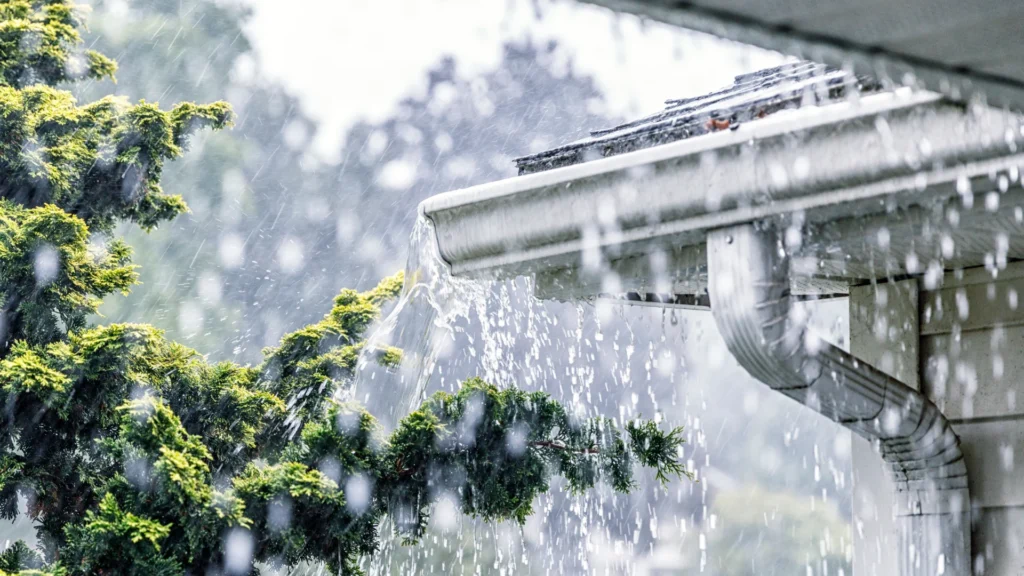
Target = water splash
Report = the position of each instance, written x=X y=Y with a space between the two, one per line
x=422 y=324
x=598 y=359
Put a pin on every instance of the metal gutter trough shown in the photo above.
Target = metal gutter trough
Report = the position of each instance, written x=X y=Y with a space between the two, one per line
x=796 y=182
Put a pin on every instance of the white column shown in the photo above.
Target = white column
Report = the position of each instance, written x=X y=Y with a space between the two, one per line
x=883 y=332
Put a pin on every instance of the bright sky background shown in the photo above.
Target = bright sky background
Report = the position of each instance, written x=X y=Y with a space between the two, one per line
x=352 y=59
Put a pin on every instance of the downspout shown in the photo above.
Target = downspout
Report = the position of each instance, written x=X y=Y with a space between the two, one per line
x=748 y=284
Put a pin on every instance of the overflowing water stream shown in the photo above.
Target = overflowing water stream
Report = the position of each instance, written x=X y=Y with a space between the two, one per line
x=423 y=323
x=598 y=358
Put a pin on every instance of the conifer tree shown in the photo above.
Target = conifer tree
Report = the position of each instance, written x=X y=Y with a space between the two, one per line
x=139 y=457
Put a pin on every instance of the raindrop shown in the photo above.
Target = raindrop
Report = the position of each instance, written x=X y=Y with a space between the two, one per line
x=190 y=318
x=209 y=288
x=891 y=420
x=925 y=146
x=962 y=305
x=794 y=238
x=398 y=174
x=45 y=264
x=279 y=514
x=290 y=255
x=932 y=276
x=947 y=246
x=963 y=185
x=358 y=494
x=912 y=263
x=883 y=238
x=231 y=250
x=778 y=175
x=238 y=551
x=992 y=201
x=801 y=168
x=515 y=440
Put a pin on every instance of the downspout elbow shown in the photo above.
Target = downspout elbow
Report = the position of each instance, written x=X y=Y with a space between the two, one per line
x=748 y=283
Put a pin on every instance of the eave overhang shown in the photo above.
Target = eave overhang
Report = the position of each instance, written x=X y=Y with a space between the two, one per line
x=962 y=49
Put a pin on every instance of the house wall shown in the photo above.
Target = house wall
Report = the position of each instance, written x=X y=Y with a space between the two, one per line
x=963 y=344
x=972 y=366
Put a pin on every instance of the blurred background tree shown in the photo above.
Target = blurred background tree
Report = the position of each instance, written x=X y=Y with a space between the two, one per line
x=274 y=231
x=763 y=533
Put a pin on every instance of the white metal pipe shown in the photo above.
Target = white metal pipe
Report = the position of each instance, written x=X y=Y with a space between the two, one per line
x=748 y=283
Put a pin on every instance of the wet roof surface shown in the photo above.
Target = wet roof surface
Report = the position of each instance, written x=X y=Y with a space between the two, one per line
x=751 y=96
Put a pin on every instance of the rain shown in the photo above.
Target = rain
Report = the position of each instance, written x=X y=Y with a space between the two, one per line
x=811 y=270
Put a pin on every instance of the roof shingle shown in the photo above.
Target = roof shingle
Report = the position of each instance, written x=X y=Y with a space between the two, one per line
x=751 y=96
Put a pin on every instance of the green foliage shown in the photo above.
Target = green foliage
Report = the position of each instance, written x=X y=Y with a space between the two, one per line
x=68 y=170
x=51 y=279
x=496 y=450
x=657 y=449
x=136 y=454
x=123 y=435
x=40 y=43
x=101 y=161
x=110 y=535
x=19 y=556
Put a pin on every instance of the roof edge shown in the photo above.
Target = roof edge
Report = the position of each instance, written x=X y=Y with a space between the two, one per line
x=954 y=82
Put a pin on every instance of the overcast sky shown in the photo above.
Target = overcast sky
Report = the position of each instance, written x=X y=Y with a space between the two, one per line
x=348 y=59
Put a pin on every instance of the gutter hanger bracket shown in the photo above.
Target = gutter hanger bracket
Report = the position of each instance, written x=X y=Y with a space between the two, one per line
x=749 y=287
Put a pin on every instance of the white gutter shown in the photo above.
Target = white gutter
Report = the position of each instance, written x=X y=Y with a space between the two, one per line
x=836 y=160
x=748 y=283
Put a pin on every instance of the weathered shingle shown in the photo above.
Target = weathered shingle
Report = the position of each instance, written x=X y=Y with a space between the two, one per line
x=751 y=96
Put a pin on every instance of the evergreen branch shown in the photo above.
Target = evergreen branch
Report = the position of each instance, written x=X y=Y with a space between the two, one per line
x=562 y=447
